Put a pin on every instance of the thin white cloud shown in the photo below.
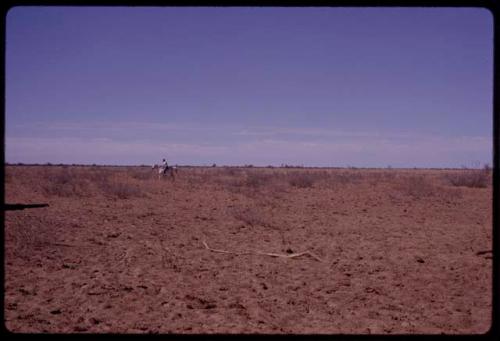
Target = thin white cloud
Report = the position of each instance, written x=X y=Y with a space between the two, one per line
x=103 y=150
x=434 y=151
x=123 y=126
x=192 y=130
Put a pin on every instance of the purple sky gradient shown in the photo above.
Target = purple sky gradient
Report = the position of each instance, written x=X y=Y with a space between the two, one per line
x=366 y=87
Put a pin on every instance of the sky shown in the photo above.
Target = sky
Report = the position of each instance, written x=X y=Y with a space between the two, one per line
x=312 y=86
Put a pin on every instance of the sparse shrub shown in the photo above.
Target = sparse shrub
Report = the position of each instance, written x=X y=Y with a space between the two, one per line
x=141 y=173
x=232 y=184
x=63 y=182
x=195 y=179
x=378 y=177
x=58 y=177
x=342 y=178
x=231 y=171
x=258 y=179
x=418 y=187
x=250 y=216
x=474 y=178
x=250 y=182
x=98 y=174
x=388 y=175
x=451 y=193
x=206 y=176
x=121 y=190
x=27 y=242
x=301 y=179
x=83 y=182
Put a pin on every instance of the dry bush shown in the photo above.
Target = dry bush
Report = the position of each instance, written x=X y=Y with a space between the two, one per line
x=418 y=187
x=229 y=171
x=350 y=177
x=376 y=178
x=234 y=185
x=383 y=176
x=142 y=173
x=25 y=242
x=118 y=183
x=241 y=178
x=121 y=189
x=83 y=182
x=63 y=182
x=258 y=179
x=229 y=177
x=250 y=216
x=335 y=178
x=302 y=179
x=250 y=182
x=450 y=193
x=265 y=181
x=97 y=174
x=196 y=177
x=474 y=178
x=23 y=176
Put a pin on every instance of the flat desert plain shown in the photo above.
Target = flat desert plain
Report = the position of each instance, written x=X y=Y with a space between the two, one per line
x=248 y=250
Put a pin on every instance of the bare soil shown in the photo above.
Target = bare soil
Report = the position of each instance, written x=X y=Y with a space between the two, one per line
x=119 y=251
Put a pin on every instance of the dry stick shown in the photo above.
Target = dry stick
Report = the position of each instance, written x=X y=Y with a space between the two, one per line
x=223 y=251
x=61 y=244
x=293 y=255
x=58 y=244
x=483 y=252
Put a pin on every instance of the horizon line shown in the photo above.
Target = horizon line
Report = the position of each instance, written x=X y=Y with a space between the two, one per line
x=214 y=165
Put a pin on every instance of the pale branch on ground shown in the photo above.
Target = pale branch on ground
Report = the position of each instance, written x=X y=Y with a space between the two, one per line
x=292 y=255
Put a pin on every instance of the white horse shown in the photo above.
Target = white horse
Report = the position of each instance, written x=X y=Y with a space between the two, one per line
x=164 y=170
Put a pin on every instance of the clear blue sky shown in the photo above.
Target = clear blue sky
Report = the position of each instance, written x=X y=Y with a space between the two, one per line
x=366 y=87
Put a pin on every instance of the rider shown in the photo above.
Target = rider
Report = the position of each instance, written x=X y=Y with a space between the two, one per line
x=165 y=166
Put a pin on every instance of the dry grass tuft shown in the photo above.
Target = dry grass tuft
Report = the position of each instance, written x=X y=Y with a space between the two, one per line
x=303 y=179
x=250 y=216
x=473 y=178
x=141 y=173
x=417 y=186
x=380 y=177
x=83 y=182
x=64 y=182
x=121 y=190
x=257 y=179
x=346 y=177
x=25 y=243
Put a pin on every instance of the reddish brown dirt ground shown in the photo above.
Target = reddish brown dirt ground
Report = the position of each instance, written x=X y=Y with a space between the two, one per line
x=118 y=251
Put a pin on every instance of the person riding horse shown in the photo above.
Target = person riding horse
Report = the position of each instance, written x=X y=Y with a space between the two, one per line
x=164 y=169
x=165 y=166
